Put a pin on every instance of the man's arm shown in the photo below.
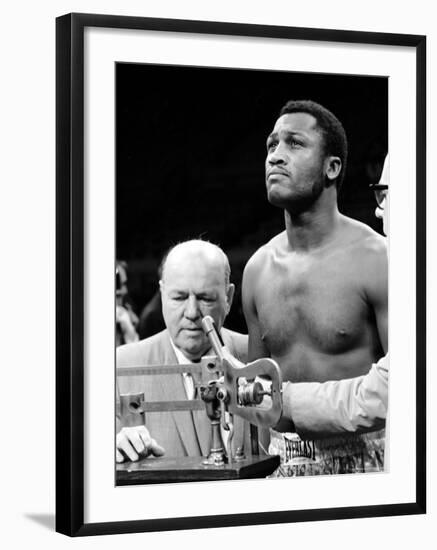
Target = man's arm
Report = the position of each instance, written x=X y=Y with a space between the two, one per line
x=257 y=348
x=376 y=287
x=354 y=405
x=132 y=442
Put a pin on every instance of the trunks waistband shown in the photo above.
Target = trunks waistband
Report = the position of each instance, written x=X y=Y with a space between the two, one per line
x=340 y=454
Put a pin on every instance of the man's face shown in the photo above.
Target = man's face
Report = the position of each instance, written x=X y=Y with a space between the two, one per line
x=296 y=161
x=192 y=287
x=382 y=196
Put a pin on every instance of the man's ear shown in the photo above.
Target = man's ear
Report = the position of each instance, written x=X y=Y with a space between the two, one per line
x=161 y=286
x=230 y=296
x=332 y=168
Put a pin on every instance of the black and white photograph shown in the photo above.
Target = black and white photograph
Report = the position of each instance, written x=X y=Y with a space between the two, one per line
x=251 y=307
x=219 y=257
x=235 y=279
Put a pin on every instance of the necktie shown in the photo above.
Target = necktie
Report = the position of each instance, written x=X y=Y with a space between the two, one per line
x=190 y=381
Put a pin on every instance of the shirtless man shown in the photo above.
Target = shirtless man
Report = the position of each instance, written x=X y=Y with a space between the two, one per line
x=315 y=296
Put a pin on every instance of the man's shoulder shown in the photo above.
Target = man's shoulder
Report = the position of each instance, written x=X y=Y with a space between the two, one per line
x=365 y=239
x=367 y=254
x=260 y=256
x=237 y=337
x=236 y=342
x=141 y=351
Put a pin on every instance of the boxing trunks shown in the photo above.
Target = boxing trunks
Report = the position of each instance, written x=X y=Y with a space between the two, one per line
x=345 y=454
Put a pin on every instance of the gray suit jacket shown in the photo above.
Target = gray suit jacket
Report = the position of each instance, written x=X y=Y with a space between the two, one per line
x=181 y=433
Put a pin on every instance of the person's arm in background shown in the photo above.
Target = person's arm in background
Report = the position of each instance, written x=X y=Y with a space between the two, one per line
x=124 y=320
x=354 y=405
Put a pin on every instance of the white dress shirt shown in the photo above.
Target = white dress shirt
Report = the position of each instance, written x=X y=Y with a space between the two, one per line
x=189 y=382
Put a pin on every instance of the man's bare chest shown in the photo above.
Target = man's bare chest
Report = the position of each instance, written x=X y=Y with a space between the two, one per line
x=320 y=304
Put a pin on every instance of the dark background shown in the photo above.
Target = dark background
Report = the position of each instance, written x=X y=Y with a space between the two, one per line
x=190 y=151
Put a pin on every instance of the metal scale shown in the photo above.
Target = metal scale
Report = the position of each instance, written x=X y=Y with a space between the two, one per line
x=234 y=389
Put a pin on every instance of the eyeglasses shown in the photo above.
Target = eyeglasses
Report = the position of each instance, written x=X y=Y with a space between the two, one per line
x=380 y=191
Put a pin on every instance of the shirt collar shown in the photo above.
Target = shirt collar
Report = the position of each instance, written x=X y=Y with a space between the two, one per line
x=182 y=360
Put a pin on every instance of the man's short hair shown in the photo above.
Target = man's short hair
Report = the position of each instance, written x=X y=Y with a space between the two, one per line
x=334 y=136
x=200 y=242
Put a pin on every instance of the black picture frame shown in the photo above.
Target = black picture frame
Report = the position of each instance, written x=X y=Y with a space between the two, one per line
x=70 y=272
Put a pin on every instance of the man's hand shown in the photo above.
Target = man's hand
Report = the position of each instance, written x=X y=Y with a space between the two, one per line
x=136 y=442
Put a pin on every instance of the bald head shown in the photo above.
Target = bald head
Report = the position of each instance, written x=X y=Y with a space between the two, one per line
x=197 y=250
x=194 y=283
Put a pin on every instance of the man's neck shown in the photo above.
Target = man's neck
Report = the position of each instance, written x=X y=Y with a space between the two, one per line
x=314 y=227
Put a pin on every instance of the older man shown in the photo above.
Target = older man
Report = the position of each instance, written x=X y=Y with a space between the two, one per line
x=195 y=282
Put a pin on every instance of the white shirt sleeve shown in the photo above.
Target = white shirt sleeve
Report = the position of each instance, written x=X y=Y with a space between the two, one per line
x=343 y=406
